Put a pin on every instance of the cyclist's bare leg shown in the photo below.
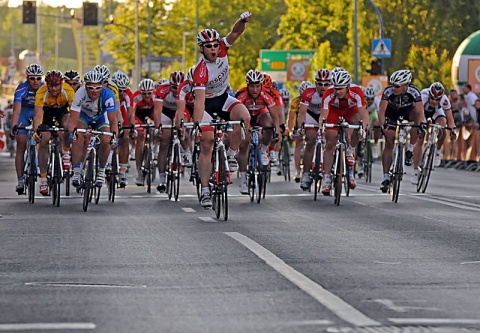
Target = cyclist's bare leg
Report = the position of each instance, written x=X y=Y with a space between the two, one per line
x=165 y=140
x=297 y=153
x=123 y=147
x=310 y=137
x=42 y=153
x=387 y=154
x=416 y=139
x=78 y=145
x=242 y=156
x=20 y=153
x=139 y=149
x=64 y=140
x=267 y=135
x=205 y=157
x=331 y=141
x=238 y=112
x=105 y=148
x=353 y=134
x=442 y=133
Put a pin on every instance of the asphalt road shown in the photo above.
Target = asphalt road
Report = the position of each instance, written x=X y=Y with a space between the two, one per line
x=288 y=264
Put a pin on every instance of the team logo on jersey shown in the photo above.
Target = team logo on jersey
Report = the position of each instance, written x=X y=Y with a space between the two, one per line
x=203 y=71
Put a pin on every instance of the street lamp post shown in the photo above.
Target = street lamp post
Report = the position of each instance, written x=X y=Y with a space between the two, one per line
x=150 y=5
x=184 y=54
x=136 y=78
x=380 y=23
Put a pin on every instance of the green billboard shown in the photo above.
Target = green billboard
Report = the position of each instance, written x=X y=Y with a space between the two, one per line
x=277 y=60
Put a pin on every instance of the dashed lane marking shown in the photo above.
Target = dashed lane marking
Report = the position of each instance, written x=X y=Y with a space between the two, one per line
x=47 y=326
x=331 y=301
x=207 y=219
x=433 y=321
x=188 y=210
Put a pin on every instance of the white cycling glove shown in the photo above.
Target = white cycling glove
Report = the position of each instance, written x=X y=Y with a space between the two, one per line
x=245 y=17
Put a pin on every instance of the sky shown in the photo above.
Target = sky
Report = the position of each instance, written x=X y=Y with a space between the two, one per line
x=53 y=3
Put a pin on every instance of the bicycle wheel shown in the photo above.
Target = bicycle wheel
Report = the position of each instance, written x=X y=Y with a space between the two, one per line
x=67 y=176
x=423 y=167
x=223 y=186
x=397 y=173
x=346 y=177
x=88 y=182
x=176 y=171
x=429 y=167
x=338 y=176
x=56 y=179
x=260 y=175
x=317 y=179
x=147 y=168
x=285 y=160
x=112 y=178
x=367 y=162
x=31 y=174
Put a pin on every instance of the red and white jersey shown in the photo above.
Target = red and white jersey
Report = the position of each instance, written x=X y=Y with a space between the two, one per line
x=353 y=100
x=213 y=76
x=164 y=94
x=139 y=103
x=126 y=99
x=185 y=93
x=312 y=98
x=255 y=105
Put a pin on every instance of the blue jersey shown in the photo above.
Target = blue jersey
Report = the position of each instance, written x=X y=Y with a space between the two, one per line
x=26 y=95
x=82 y=103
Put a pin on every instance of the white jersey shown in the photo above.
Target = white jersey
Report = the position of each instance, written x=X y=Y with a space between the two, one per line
x=437 y=111
x=82 y=103
x=375 y=105
x=213 y=76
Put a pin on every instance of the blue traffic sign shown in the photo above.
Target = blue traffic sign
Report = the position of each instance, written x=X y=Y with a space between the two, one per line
x=382 y=48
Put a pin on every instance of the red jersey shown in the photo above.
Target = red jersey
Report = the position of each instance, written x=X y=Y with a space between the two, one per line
x=312 y=98
x=254 y=106
x=164 y=94
x=277 y=97
x=354 y=100
x=142 y=109
x=185 y=93
x=126 y=101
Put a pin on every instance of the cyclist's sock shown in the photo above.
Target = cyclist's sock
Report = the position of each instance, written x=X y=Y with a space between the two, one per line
x=306 y=175
x=351 y=172
x=231 y=152
x=123 y=167
x=386 y=176
x=109 y=159
x=410 y=147
x=162 y=177
x=20 y=178
x=205 y=190
x=327 y=178
x=66 y=151
x=43 y=176
x=101 y=168
x=264 y=148
x=43 y=179
x=243 y=176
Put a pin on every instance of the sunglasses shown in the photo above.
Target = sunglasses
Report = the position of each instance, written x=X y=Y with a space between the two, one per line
x=147 y=93
x=73 y=83
x=174 y=87
x=369 y=99
x=209 y=46
x=397 y=85
x=339 y=88
x=323 y=84
x=92 y=88
x=35 y=78
x=122 y=90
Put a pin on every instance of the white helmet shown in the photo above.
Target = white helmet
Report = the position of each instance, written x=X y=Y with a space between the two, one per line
x=253 y=76
x=341 y=79
x=102 y=69
x=304 y=85
x=401 y=77
x=285 y=93
x=369 y=92
x=34 y=70
x=146 y=85
x=162 y=81
x=93 y=77
x=337 y=69
x=121 y=79
x=190 y=74
x=207 y=36
x=323 y=75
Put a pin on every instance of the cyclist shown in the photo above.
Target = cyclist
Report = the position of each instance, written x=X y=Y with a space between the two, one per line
x=93 y=105
x=126 y=108
x=373 y=105
x=144 y=114
x=309 y=113
x=185 y=106
x=165 y=101
x=72 y=77
x=401 y=98
x=292 y=125
x=259 y=103
x=108 y=83
x=23 y=110
x=210 y=80
x=52 y=105
x=285 y=93
x=436 y=105
x=268 y=84
x=345 y=100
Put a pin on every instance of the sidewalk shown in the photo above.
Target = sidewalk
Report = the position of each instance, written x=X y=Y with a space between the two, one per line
x=8 y=176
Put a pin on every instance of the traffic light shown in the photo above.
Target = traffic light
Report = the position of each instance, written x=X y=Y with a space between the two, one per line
x=29 y=12
x=90 y=13
x=376 y=67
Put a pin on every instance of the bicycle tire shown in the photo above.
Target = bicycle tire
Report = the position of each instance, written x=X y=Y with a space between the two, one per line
x=429 y=168
x=317 y=179
x=176 y=172
x=346 y=179
x=32 y=174
x=259 y=174
x=367 y=164
x=423 y=171
x=285 y=160
x=251 y=175
x=57 y=178
x=397 y=174
x=147 y=168
x=67 y=177
x=223 y=196
x=97 y=189
x=112 y=178
x=339 y=174
x=88 y=182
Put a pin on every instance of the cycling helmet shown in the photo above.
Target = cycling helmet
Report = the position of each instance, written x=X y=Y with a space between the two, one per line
x=253 y=76
x=337 y=69
x=34 y=70
x=341 y=79
x=274 y=84
x=285 y=93
x=121 y=79
x=322 y=75
x=369 y=92
x=436 y=90
x=146 y=85
x=54 y=77
x=93 y=77
x=176 y=78
x=162 y=81
x=190 y=74
x=102 y=69
x=71 y=75
x=401 y=77
x=303 y=86
x=207 y=36
x=267 y=80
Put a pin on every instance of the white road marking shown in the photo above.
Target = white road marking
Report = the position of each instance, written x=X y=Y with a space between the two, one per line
x=85 y=285
x=308 y=322
x=433 y=321
x=207 y=219
x=461 y=205
x=469 y=262
x=331 y=301
x=390 y=305
x=47 y=326
x=188 y=210
x=388 y=262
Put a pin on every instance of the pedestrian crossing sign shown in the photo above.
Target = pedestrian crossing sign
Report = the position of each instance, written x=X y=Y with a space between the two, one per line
x=382 y=48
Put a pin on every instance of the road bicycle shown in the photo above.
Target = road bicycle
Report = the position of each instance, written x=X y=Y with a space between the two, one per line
x=55 y=172
x=317 y=160
x=31 y=171
x=220 y=175
x=367 y=159
x=174 y=163
x=427 y=162
x=148 y=165
x=255 y=175
x=194 y=176
x=90 y=167
x=341 y=169
x=285 y=155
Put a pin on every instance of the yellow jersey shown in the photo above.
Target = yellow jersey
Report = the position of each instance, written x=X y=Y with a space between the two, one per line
x=294 y=107
x=44 y=99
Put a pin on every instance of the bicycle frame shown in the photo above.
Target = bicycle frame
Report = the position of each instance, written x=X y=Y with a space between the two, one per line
x=426 y=164
x=317 y=160
x=31 y=169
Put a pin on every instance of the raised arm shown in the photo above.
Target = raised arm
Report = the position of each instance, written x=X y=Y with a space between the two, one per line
x=238 y=28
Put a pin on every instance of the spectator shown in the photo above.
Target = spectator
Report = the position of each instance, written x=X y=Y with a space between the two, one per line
x=470 y=98
x=456 y=108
